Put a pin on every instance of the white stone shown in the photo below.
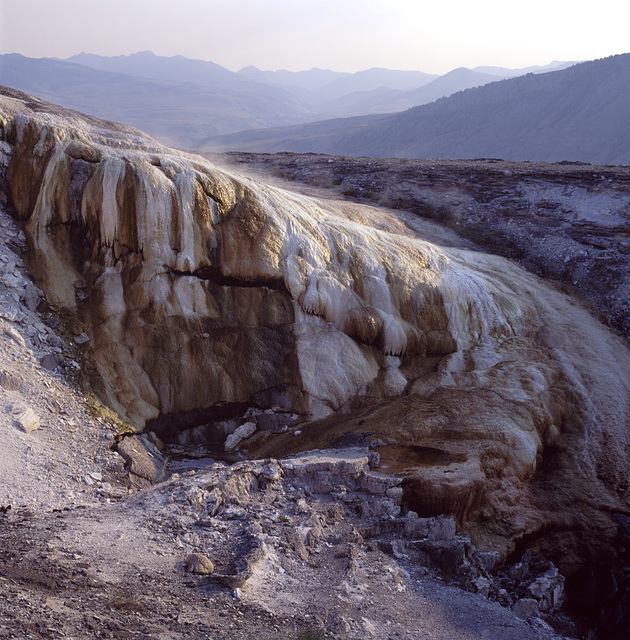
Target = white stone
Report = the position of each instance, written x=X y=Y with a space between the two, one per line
x=9 y=280
x=244 y=431
x=28 y=421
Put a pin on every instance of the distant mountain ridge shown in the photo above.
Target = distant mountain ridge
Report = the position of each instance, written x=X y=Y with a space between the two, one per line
x=451 y=82
x=504 y=72
x=184 y=101
x=578 y=113
x=180 y=113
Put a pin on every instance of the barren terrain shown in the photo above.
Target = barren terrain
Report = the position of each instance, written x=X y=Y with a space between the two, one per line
x=84 y=556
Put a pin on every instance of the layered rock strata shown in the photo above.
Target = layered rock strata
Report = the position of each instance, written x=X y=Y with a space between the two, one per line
x=498 y=399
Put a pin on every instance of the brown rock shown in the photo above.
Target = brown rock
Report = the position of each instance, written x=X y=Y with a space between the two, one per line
x=199 y=564
x=80 y=151
x=143 y=460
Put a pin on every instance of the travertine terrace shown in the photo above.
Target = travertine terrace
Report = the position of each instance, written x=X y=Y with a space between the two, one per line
x=497 y=399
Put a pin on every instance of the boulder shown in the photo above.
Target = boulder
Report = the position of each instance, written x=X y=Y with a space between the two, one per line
x=548 y=590
x=31 y=296
x=443 y=528
x=199 y=564
x=27 y=420
x=526 y=608
x=449 y=556
x=272 y=421
x=52 y=361
x=143 y=460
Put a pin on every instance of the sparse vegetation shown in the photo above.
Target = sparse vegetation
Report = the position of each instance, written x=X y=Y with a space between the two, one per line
x=99 y=411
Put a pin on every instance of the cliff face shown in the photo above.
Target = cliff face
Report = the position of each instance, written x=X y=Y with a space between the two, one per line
x=199 y=288
x=499 y=399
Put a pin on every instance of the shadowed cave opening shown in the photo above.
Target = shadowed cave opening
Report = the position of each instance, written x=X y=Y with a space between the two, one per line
x=213 y=274
x=199 y=426
x=597 y=586
x=206 y=430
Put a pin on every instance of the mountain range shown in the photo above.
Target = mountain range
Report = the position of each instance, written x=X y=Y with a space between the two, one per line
x=564 y=111
x=578 y=114
x=184 y=101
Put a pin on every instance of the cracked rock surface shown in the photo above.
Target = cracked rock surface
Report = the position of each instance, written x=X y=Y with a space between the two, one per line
x=285 y=559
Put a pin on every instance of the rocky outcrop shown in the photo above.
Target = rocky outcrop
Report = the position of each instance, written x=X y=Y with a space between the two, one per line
x=250 y=550
x=199 y=296
x=329 y=512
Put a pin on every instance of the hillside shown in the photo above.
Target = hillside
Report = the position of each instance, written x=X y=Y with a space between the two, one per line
x=451 y=82
x=579 y=113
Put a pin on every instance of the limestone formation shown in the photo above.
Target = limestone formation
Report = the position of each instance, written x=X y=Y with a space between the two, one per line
x=495 y=398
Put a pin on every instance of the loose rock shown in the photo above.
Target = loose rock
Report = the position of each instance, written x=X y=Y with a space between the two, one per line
x=143 y=460
x=199 y=564
x=28 y=421
x=52 y=361
x=244 y=431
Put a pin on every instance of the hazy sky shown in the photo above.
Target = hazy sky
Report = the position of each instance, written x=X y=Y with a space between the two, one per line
x=345 y=35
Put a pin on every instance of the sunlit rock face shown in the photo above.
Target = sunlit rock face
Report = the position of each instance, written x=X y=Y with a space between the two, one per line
x=203 y=288
x=500 y=400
